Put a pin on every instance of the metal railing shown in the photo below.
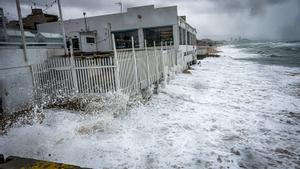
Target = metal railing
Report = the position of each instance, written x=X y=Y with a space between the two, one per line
x=128 y=71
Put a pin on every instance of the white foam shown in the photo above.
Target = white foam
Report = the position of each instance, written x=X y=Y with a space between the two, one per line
x=193 y=123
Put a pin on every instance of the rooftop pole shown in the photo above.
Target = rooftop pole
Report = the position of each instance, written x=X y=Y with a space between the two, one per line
x=62 y=26
x=121 y=6
x=22 y=30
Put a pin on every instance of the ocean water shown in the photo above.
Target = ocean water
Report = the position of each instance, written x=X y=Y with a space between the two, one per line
x=235 y=111
x=273 y=53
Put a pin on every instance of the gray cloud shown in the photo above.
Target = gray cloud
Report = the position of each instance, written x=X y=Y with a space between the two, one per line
x=256 y=19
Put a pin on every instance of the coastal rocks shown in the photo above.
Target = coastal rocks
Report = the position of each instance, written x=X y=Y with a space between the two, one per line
x=282 y=151
x=234 y=151
x=187 y=71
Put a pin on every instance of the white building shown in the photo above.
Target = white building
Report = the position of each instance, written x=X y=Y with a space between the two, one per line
x=143 y=23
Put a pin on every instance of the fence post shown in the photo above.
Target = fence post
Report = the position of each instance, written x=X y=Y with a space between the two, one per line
x=156 y=57
x=182 y=60
x=168 y=59
x=117 y=78
x=163 y=61
x=135 y=64
x=73 y=70
x=147 y=62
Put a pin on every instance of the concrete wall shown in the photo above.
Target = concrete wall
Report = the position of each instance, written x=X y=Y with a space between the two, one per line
x=150 y=17
x=16 y=87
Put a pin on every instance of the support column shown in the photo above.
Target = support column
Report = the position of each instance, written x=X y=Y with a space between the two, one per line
x=141 y=37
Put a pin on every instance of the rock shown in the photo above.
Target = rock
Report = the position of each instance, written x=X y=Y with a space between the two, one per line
x=187 y=71
x=282 y=151
x=236 y=152
x=219 y=159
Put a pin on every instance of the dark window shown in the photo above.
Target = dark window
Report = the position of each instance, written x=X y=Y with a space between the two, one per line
x=75 y=42
x=123 y=39
x=90 y=40
x=188 y=38
x=182 y=36
x=158 y=35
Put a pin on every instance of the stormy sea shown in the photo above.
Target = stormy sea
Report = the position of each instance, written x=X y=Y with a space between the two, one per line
x=240 y=110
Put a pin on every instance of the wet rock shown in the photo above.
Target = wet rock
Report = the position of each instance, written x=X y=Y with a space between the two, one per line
x=187 y=71
x=231 y=138
x=282 y=151
x=242 y=165
x=219 y=159
x=236 y=152
x=208 y=164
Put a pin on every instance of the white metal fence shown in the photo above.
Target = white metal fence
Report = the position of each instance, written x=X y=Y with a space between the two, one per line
x=128 y=71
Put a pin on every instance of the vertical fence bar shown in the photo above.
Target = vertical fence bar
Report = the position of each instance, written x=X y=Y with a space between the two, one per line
x=147 y=62
x=157 y=62
x=162 y=58
x=135 y=64
x=74 y=76
x=117 y=78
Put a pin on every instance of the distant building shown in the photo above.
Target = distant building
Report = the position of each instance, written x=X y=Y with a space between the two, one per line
x=30 y=22
x=206 y=42
x=143 y=23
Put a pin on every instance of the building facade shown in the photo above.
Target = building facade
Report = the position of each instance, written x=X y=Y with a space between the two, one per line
x=30 y=22
x=143 y=23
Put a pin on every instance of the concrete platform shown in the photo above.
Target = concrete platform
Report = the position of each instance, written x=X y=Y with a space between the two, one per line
x=13 y=162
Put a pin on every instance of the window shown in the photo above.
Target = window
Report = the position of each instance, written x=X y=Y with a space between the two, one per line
x=181 y=36
x=158 y=35
x=188 y=38
x=123 y=39
x=75 y=42
x=90 y=40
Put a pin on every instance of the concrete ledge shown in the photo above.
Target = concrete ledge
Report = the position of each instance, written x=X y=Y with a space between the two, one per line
x=13 y=162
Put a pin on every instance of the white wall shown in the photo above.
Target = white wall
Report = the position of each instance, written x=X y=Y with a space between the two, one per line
x=16 y=87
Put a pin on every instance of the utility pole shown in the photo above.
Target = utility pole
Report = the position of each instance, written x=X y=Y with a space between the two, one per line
x=22 y=30
x=62 y=27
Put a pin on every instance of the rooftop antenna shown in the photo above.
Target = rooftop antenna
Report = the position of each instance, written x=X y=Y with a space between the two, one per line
x=121 y=6
x=86 y=27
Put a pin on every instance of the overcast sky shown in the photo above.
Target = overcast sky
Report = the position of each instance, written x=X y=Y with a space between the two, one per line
x=217 y=19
